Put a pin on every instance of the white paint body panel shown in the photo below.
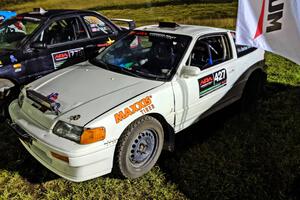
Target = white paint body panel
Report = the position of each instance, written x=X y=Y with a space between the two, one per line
x=97 y=95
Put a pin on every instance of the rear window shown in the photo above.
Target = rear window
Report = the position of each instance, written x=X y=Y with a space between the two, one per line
x=96 y=26
x=242 y=50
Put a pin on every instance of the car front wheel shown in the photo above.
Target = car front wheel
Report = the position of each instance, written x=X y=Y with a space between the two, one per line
x=139 y=147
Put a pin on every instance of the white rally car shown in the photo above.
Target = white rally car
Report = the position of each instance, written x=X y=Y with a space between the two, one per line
x=119 y=111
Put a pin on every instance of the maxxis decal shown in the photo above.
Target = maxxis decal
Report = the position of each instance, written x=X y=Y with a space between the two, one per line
x=145 y=105
x=212 y=82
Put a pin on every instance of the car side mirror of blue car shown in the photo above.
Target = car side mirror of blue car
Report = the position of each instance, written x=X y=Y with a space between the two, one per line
x=38 y=45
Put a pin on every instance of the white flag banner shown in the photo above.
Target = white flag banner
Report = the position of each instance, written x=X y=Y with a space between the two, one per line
x=272 y=25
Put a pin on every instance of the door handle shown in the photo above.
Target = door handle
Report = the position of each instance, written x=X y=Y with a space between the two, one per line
x=90 y=46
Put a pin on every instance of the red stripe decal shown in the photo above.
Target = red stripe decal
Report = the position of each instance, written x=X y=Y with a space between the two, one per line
x=259 y=30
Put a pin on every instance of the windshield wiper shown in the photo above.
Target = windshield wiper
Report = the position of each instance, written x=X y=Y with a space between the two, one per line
x=109 y=66
x=104 y=64
x=148 y=75
x=129 y=72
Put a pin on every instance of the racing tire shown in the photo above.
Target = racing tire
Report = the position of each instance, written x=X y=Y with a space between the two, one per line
x=138 y=148
x=253 y=90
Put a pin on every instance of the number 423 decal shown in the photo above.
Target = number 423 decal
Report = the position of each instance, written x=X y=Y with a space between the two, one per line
x=212 y=82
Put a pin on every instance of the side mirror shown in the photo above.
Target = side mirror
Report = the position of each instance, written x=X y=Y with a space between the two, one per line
x=190 y=71
x=38 y=45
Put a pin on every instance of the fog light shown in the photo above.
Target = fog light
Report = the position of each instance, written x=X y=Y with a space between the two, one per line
x=60 y=157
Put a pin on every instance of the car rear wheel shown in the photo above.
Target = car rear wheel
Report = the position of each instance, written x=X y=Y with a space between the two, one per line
x=253 y=90
x=139 y=147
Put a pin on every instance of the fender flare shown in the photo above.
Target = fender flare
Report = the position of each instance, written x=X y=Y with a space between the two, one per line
x=169 y=133
x=5 y=86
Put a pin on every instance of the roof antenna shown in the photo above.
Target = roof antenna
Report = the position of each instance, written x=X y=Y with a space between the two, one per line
x=167 y=25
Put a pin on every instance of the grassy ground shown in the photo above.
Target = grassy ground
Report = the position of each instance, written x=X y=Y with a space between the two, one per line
x=230 y=155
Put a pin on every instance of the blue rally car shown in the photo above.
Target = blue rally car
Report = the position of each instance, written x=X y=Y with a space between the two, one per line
x=36 y=43
x=5 y=15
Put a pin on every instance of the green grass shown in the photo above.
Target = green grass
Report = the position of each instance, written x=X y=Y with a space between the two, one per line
x=74 y=4
x=193 y=13
x=230 y=155
x=145 y=11
x=254 y=155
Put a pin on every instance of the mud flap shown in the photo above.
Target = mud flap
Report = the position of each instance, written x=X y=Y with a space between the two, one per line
x=3 y=111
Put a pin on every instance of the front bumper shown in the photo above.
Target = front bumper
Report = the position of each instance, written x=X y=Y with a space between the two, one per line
x=84 y=161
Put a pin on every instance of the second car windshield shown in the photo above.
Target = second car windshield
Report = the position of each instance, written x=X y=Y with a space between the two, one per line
x=15 y=30
x=146 y=54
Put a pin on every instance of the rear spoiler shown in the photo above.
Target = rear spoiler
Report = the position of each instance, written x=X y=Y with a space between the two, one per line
x=130 y=22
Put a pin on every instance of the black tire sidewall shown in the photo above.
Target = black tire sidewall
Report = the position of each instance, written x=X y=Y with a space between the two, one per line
x=253 y=90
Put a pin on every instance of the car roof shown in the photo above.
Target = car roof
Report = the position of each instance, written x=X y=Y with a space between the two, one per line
x=53 y=13
x=182 y=29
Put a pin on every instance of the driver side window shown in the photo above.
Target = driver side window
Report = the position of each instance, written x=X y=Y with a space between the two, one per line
x=61 y=31
x=210 y=51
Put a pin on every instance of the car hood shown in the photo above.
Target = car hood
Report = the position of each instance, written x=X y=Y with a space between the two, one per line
x=85 y=83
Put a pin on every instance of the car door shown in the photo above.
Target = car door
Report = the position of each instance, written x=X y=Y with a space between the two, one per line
x=195 y=95
x=61 y=43
x=102 y=33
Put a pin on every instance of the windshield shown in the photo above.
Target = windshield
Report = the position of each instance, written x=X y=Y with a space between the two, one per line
x=145 y=54
x=13 y=31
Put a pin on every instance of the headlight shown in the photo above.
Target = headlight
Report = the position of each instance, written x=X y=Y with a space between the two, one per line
x=68 y=131
x=21 y=99
x=79 y=134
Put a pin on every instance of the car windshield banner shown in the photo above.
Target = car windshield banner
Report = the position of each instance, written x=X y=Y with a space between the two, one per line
x=273 y=25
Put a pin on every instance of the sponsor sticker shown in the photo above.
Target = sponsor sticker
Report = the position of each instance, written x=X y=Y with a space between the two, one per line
x=96 y=29
x=53 y=96
x=13 y=59
x=74 y=117
x=55 y=105
x=161 y=35
x=91 y=20
x=140 y=33
x=144 y=106
x=76 y=52
x=61 y=57
x=108 y=43
x=212 y=82
x=95 y=24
